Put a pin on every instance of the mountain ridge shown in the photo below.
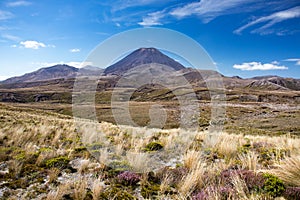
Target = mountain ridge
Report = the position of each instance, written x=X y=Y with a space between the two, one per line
x=143 y=56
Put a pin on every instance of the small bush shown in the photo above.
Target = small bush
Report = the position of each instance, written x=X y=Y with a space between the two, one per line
x=59 y=162
x=128 y=178
x=273 y=185
x=150 y=191
x=116 y=193
x=253 y=181
x=292 y=193
x=153 y=146
x=225 y=192
x=201 y=196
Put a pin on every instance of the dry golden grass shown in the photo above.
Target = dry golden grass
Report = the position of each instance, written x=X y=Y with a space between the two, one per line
x=249 y=161
x=24 y=133
x=53 y=174
x=289 y=171
x=193 y=180
x=97 y=188
x=80 y=189
x=191 y=159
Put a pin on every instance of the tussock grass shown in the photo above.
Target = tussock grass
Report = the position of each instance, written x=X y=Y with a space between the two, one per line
x=289 y=171
x=30 y=138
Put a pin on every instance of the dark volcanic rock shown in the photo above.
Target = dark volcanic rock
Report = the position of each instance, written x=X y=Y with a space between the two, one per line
x=139 y=57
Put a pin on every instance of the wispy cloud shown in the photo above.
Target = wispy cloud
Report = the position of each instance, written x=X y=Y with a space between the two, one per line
x=74 y=50
x=4 y=15
x=251 y=66
x=207 y=10
x=18 y=3
x=31 y=44
x=11 y=37
x=128 y=19
x=153 y=19
x=297 y=60
x=124 y=4
x=102 y=33
x=4 y=28
x=271 y=20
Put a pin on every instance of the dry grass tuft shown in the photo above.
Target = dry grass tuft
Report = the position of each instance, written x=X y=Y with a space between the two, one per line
x=193 y=180
x=289 y=171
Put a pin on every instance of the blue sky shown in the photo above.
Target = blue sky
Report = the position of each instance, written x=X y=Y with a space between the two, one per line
x=244 y=37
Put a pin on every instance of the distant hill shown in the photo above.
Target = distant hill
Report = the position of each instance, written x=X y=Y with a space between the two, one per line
x=48 y=73
x=275 y=83
x=59 y=74
x=139 y=57
x=54 y=72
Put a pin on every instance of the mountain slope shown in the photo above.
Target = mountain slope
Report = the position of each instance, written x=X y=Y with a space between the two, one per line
x=48 y=73
x=275 y=83
x=139 y=57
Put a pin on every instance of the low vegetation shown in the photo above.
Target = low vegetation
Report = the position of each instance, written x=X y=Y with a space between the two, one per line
x=44 y=155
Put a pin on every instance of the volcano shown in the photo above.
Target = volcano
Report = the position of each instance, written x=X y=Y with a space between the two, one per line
x=139 y=57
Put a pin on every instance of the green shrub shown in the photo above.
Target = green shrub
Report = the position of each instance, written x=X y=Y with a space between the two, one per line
x=117 y=193
x=80 y=149
x=149 y=191
x=273 y=185
x=45 y=149
x=153 y=146
x=59 y=162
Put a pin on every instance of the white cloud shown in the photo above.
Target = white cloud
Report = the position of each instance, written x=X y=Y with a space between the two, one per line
x=259 y=66
x=5 y=15
x=271 y=20
x=72 y=63
x=14 y=46
x=297 y=60
x=74 y=50
x=30 y=44
x=10 y=37
x=79 y=64
x=18 y=3
x=152 y=19
x=206 y=9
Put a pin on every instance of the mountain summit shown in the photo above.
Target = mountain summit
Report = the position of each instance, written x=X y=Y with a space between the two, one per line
x=139 y=57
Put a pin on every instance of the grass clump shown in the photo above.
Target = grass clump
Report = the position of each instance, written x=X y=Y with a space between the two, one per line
x=289 y=171
x=153 y=146
x=117 y=193
x=150 y=190
x=59 y=162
